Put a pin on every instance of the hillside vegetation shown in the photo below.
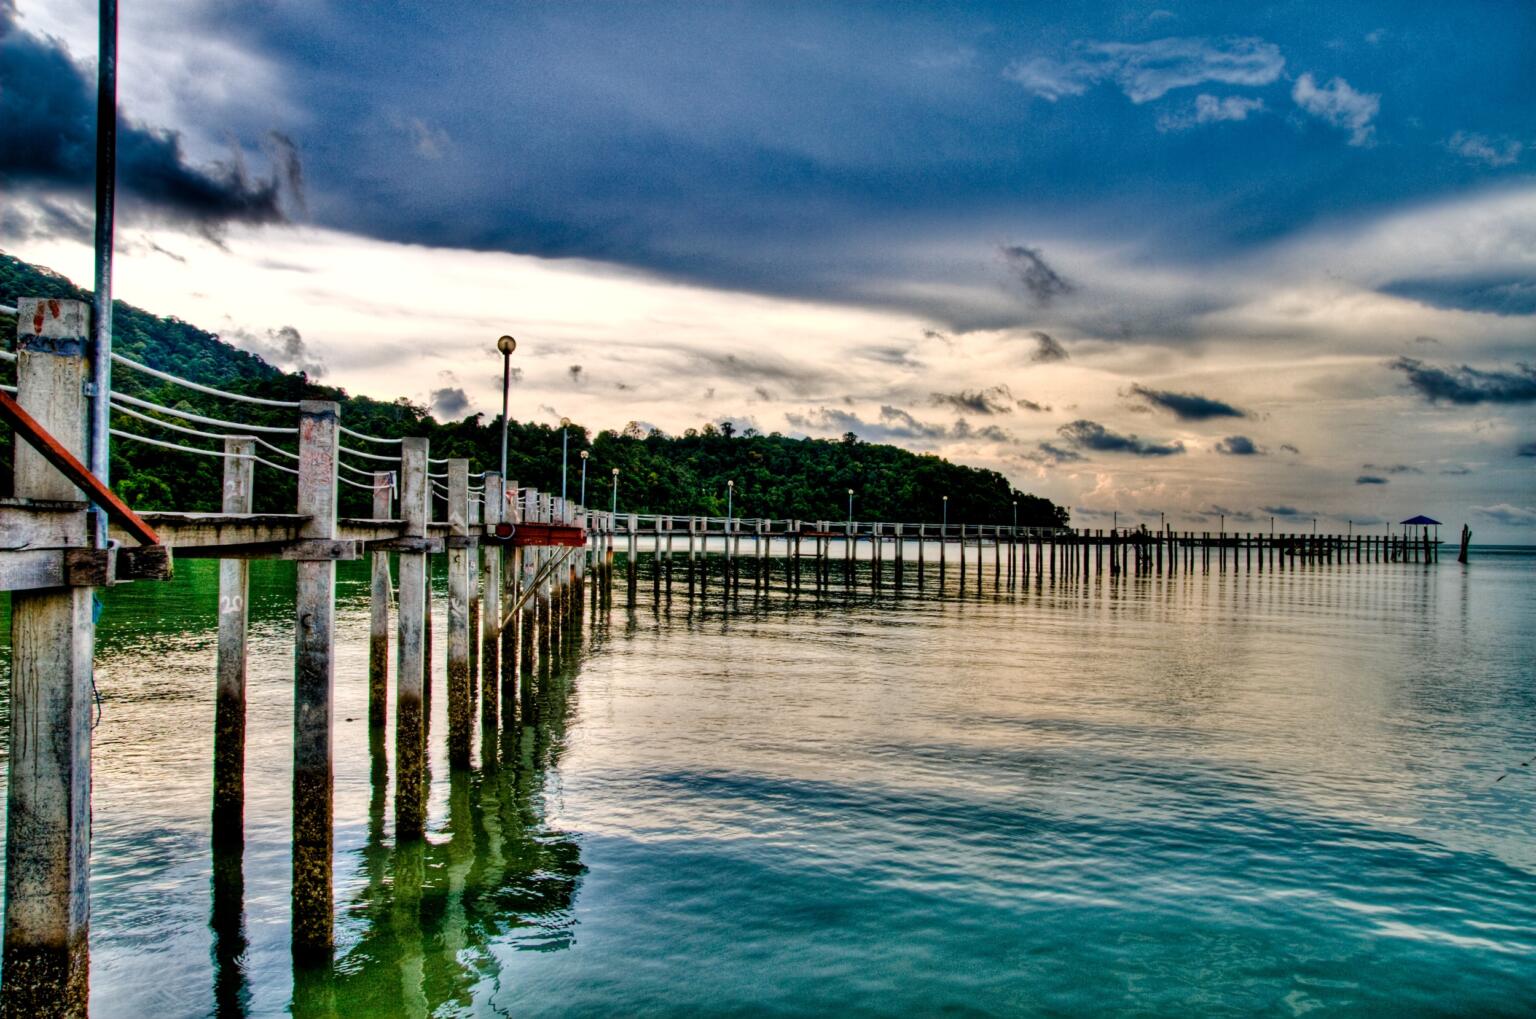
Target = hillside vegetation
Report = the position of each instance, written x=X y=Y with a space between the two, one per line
x=775 y=475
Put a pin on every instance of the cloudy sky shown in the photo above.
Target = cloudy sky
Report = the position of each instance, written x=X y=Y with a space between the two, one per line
x=1253 y=259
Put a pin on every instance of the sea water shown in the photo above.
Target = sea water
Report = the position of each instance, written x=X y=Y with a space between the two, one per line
x=1306 y=790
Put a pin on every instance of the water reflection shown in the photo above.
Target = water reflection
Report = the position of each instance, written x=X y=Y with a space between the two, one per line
x=430 y=912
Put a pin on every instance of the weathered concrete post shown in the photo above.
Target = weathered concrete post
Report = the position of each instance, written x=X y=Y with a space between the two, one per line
x=527 y=638
x=229 y=699
x=411 y=648
x=313 y=681
x=460 y=708
x=631 y=527
x=379 y=596
x=510 y=579
x=490 y=610
x=53 y=636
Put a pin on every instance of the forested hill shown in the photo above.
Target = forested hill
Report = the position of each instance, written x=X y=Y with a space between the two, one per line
x=775 y=475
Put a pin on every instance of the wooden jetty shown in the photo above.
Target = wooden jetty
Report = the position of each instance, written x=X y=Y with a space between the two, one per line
x=519 y=563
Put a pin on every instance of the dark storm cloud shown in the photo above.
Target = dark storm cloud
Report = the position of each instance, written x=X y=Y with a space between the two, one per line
x=1047 y=349
x=448 y=403
x=1032 y=405
x=1094 y=436
x=894 y=424
x=1391 y=468
x=48 y=139
x=1284 y=511
x=779 y=148
x=757 y=368
x=1514 y=295
x=995 y=400
x=1049 y=454
x=1370 y=479
x=1238 y=445
x=1187 y=406
x=283 y=347
x=1040 y=281
x=1468 y=385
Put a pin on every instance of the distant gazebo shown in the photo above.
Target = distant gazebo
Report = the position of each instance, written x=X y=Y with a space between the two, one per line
x=1422 y=521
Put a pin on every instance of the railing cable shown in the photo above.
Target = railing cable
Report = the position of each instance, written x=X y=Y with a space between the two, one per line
x=370 y=438
x=199 y=387
x=239 y=429
x=369 y=456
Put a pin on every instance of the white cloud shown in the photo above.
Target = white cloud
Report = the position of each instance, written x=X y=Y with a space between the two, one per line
x=1209 y=109
x=1509 y=516
x=1052 y=79
x=1150 y=70
x=1340 y=105
x=1482 y=149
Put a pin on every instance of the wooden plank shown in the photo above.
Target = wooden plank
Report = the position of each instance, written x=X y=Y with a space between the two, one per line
x=315 y=550
x=41 y=524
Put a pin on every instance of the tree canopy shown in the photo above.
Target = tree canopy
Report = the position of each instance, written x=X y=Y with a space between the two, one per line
x=775 y=475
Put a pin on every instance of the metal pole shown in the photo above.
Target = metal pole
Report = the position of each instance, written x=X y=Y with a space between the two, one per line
x=101 y=310
x=583 y=477
x=506 y=345
x=850 y=506
x=565 y=427
x=614 y=509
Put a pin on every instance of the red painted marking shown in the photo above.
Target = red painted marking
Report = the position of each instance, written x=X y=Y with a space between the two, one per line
x=37 y=320
x=547 y=535
x=66 y=463
x=53 y=307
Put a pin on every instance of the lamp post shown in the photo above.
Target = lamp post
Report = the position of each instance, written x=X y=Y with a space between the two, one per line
x=614 y=509
x=730 y=501
x=565 y=427
x=850 y=507
x=946 y=516
x=506 y=345
x=583 y=500
x=1015 y=516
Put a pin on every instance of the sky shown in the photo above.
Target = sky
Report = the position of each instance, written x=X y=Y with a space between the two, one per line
x=1227 y=263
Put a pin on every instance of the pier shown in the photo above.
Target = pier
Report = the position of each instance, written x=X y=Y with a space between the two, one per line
x=524 y=567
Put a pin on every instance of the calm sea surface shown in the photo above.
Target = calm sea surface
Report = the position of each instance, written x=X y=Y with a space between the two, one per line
x=1232 y=794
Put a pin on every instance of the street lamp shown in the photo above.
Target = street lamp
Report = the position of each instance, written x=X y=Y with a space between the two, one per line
x=565 y=425
x=946 y=516
x=583 y=477
x=1015 y=516
x=730 y=499
x=850 y=505
x=614 y=509
x=506 y=345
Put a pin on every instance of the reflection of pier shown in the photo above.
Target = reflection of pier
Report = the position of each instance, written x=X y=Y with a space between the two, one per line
x=433 y=909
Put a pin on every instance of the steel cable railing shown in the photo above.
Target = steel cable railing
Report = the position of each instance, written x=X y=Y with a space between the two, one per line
x=199 y=387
